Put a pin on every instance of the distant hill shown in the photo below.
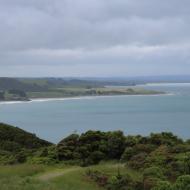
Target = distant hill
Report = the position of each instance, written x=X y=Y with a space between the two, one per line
x=49 y=84
x=25 y=89
x=13 y=83
x=44 y=84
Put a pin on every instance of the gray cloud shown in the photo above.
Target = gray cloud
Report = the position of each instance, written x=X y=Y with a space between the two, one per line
x=94 y=37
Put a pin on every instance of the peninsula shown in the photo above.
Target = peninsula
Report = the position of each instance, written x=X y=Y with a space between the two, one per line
x=25 y=89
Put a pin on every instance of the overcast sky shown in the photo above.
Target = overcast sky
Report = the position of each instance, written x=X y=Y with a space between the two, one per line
x=100 y=38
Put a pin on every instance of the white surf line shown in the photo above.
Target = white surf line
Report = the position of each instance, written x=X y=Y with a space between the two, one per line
x=78 y=98
x=13 y=102
x=94 y=97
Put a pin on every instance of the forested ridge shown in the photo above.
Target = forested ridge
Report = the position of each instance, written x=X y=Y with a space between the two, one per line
x=16 y=144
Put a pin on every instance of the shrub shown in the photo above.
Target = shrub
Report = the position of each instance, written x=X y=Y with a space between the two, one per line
x=67 y=147
x=138 y=161
x=164 y=138
x=42 y=160
x=128 y=154
x=182 y=183
x=100 y=178
x=95 y=157
x=155 y=172
x=163 y=185
x=150 y=182
x=116 y=144
x=120 y=182
x=159 y=157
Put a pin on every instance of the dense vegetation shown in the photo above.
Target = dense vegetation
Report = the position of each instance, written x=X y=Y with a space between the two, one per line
x=161 y=159
x=156 y=162
x=16 y=144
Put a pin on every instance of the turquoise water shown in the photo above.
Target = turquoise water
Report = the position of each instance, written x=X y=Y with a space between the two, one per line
x=53 y=120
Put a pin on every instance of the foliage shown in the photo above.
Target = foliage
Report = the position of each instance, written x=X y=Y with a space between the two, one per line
x=153 y=172
x=14 y=137
x=45 y=155
x=16 y=144
x=159 y=161
x=182 y=183
x=92 y=147
x=163 y=185
x=115 y=182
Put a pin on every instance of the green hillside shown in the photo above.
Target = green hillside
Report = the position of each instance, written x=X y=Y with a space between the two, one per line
x=95 y=160
x=14 y=83
x=20 y=137
x=16 y=144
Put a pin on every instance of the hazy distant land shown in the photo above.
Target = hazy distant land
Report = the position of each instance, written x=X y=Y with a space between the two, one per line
x=19 y=89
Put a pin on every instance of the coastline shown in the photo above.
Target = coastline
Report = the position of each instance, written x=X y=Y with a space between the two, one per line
x=78 y=98
x=166 y=84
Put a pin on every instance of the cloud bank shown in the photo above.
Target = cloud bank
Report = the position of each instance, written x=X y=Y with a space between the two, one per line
x=94 y=37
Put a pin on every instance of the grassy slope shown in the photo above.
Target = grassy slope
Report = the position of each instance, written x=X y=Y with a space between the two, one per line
x=32 y=177
x=79 y=91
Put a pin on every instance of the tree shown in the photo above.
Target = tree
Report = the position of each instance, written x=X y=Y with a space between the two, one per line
x=164 y=138
x=138 y=161
x=128 y=154
x=67 y=146
x=182 y=183
x=116 y=144
x=95 y=157
x=187 y=163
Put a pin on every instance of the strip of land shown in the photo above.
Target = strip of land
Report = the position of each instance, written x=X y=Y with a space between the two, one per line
x=27 y=89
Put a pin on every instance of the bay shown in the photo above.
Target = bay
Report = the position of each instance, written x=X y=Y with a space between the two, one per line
x=53 y=120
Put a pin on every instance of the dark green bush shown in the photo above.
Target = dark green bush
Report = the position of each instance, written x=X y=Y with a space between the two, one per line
x=163 y=185
x=182 y=183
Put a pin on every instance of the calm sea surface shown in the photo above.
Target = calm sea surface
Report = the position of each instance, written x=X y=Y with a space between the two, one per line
x=53 y=120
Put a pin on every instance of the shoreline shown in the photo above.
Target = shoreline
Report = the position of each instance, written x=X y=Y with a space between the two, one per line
x=166 y=84
x=78 y=98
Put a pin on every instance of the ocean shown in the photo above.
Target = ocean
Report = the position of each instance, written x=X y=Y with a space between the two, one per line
x=55 y=119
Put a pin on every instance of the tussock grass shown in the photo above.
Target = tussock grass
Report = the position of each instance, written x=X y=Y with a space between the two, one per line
x=59 y=177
